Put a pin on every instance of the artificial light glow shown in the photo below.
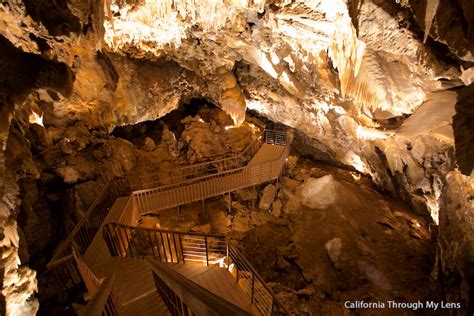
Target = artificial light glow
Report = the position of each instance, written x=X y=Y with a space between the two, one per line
x=255 y=105
x=356 y=176
x=36 y=118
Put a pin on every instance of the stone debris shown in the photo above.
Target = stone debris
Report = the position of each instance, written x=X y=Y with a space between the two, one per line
x=320 y=193
x=267 y=197
x=333 y=248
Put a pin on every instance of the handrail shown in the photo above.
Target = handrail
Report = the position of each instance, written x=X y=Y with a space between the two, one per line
x=207 y=249
x=109 y=188
x=84 y=232
x=266 y=307
x=188 y=190
x=104 y=301
x=211 y=165
x=164 y=245
x=175 y=290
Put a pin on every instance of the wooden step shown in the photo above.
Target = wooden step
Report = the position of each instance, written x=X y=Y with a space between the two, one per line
x=133 y=278
x=218 y=281
x=149 y=305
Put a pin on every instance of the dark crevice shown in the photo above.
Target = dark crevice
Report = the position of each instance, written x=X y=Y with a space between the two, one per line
x=136 y=133
x=22 y=72
x=108 y=68
x=54 y=15
x=464 y=130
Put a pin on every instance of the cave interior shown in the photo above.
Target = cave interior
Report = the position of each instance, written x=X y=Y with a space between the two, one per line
x=260 y=157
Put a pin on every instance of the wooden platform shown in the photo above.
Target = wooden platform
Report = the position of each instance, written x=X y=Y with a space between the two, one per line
x=218 y=281
x=134 y=286
x=266 y=153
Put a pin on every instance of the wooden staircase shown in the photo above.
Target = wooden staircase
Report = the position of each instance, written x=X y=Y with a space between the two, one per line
x=121 y=282
x=133 y=285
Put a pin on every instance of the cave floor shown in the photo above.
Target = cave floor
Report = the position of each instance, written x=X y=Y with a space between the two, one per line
x=386 y=250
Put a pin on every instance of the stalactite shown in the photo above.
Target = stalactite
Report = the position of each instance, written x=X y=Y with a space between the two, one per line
x=161 y=21
x=431 y=9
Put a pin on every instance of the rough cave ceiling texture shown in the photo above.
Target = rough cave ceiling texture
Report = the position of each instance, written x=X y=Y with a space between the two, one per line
x=362 y=82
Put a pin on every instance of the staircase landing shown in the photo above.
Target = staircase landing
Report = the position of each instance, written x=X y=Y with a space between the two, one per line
x=217 y=280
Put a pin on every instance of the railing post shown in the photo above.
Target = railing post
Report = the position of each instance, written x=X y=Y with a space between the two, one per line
x=227 y=253
x=253 y=286
x=207 y=251
x=181 y=247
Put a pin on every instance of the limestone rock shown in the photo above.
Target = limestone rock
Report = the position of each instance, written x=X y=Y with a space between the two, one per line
x=320 y=193
x=277 y=207
x=283 y=265
x=206 y=228
x=149 y=144
x=307 y=292
x=268 y=196
x=334 y=248
x=68 y=174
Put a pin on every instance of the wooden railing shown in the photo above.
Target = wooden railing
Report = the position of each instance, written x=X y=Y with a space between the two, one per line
x=163 y=245
x=210 y=185
x=253 y=284
x=104 y=302
x=62 y=264
x=184 y=297
x=186 y=247
x=90 y=280
x=217 y=165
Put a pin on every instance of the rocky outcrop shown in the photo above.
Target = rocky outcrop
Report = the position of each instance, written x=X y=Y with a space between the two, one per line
x=464 y=130
x=455 y=268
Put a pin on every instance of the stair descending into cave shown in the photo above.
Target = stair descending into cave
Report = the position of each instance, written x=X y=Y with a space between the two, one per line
x=131 y=270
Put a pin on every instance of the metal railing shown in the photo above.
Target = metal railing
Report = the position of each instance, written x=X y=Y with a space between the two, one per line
x=62 y=265
x=184 y=297
x=253 y=284
x=217 y=165
x=90 y=280
x=197 y=248
x=163 y=245
x=199 y=188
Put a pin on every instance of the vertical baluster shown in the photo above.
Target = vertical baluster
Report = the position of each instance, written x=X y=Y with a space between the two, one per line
x=175 y=248
x=169 y=246
x=207 y=250
x=164 y=248
x=158 y=246
x=181 y=247
x=151 y=244
x=253 y=286
x=130 y=241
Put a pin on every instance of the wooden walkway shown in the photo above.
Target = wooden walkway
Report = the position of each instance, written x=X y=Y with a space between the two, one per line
x=266 y=153
x=218 y=281
x=133 y=278
x=265 y=166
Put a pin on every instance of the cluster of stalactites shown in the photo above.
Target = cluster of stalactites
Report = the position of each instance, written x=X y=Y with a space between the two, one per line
x=232 y=98
x=156 y=24
x=209 y=14
x=349 y=57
